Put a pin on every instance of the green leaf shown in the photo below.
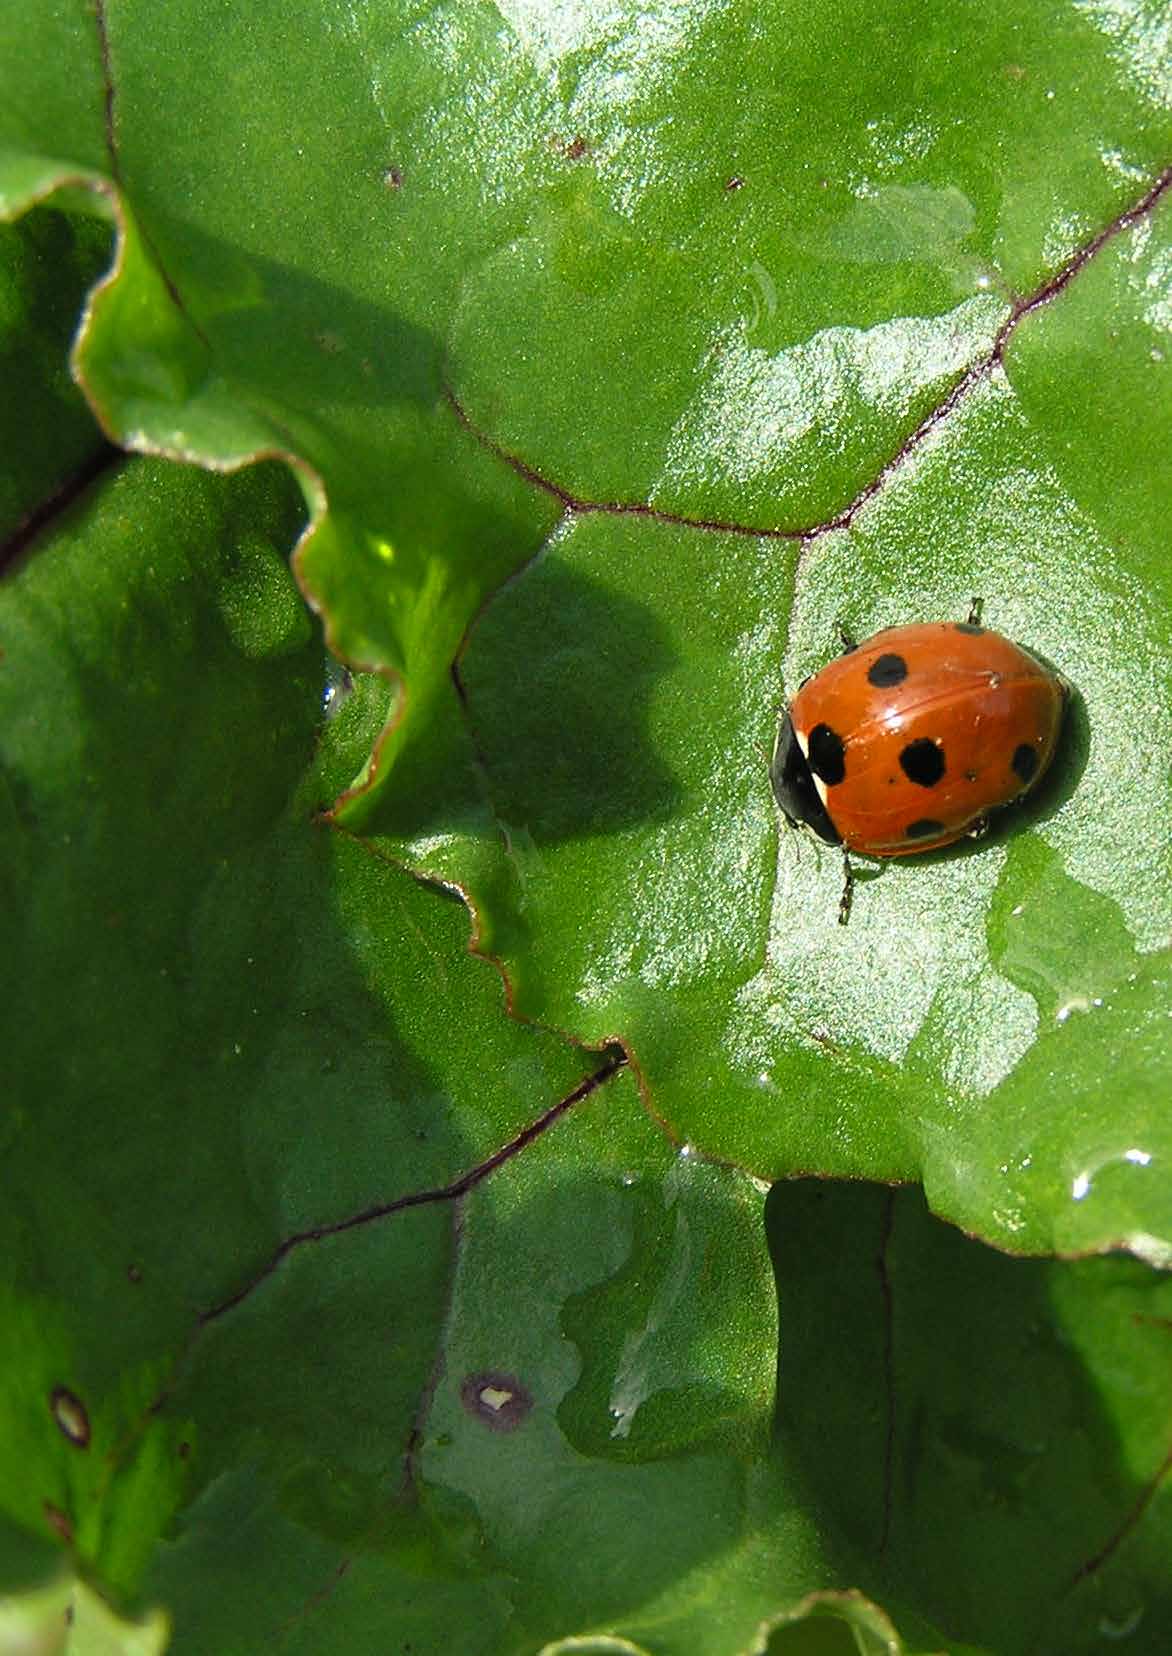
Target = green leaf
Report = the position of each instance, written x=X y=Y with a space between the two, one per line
x=618 y=355
x=49 y=439
x=989 y=1434
x=230 y=1029
x=622 y=692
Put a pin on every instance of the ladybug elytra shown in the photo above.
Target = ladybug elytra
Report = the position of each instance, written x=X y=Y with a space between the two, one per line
x=909 y=740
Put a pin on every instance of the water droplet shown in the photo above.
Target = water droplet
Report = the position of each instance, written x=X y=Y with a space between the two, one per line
x=1080 y=1186
x=1121 y=1627
x=339 y=683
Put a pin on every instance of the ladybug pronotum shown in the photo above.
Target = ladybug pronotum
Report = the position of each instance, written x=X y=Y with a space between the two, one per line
x=909 y=740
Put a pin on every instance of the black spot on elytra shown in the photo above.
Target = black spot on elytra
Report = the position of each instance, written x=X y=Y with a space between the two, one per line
x=887 y=670
x=923 y=828
x=970 y=628
x=1025 y=762
x=825 y=755
x=922 y=762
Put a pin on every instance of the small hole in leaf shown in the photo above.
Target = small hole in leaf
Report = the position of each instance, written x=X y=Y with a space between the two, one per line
x=70 y=1415
x=497 y=1399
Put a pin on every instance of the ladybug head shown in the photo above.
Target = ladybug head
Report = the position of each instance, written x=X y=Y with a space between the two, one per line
x=793 y=786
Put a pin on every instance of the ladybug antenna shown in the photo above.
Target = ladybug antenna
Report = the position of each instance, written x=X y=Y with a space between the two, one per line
x=848 y=888
x=976 y=605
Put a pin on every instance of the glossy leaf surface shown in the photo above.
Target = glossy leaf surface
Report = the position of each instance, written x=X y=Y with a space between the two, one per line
x=620 y=354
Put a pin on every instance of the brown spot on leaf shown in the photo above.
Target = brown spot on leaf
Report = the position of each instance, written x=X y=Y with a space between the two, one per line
x=393 y=178
x=573 y=149
x=734 y=183
x=58 y=1521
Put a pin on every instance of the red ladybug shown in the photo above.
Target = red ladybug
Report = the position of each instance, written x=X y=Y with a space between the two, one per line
x=907 y=741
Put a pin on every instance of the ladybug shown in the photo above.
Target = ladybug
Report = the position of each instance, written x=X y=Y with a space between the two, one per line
x=909 y=740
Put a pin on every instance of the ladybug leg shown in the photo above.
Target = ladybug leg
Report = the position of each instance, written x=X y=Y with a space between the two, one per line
x=848 y=643
x=979 y=828
x=976 y=605
x=848 y=889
